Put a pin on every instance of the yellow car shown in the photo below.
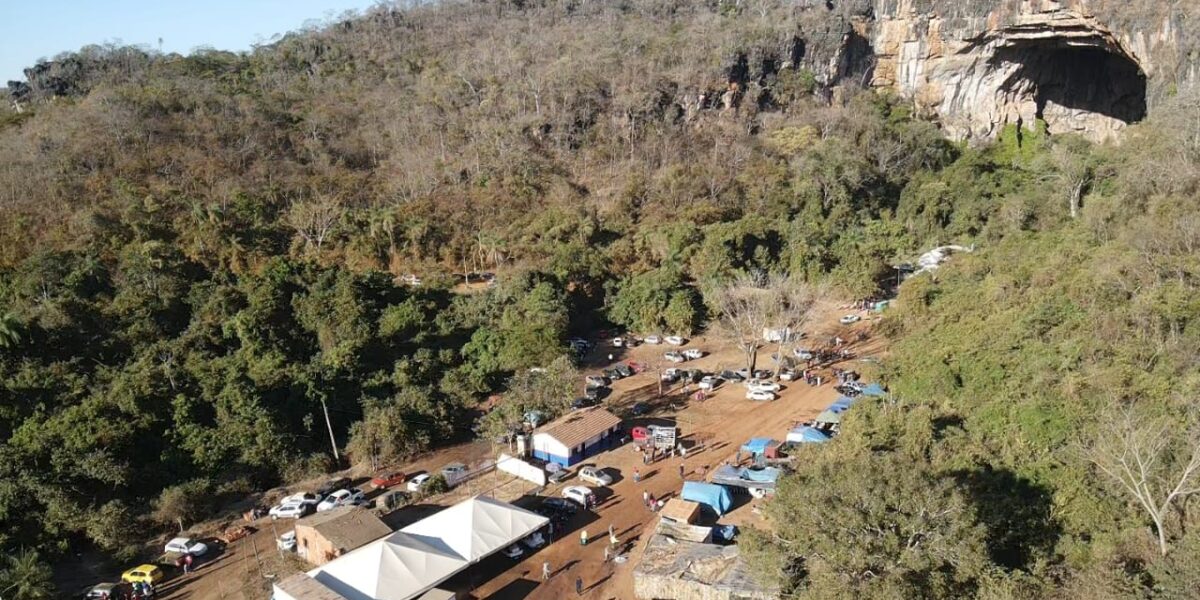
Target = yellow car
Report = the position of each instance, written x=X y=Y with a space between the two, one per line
x=143 y=574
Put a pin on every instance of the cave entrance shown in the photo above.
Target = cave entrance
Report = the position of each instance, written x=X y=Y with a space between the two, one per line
x=1084 y=88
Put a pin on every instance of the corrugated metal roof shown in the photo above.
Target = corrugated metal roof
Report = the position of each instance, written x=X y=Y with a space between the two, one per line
x=580 y=426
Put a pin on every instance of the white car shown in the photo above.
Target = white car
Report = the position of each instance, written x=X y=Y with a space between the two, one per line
x=514 y=552
x=289 y=510
x=182 y=545
x=709 y=382
x=652 y=339
x=535 y=540
x=674 y=340
x=302 y=498
x=760 y=395
x=618 y=342
x=849 y=319
x=341 y=498
x=802 y=353
x=693 y=353
x=674 y=357
x=788 y=375
x=286 y=542
x=579 y=494
x=595 y=476
x=763 y=385
x=671 y=374
x=415 y=484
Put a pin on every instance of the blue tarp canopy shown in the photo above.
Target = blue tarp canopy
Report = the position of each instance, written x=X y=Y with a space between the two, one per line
x=873 y=389
x=841 y=403
x=758 y=446
x=806 y=434
x=765 y=474
x=716 y=497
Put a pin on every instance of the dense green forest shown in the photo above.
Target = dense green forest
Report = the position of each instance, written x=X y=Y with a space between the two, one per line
x=199 y=253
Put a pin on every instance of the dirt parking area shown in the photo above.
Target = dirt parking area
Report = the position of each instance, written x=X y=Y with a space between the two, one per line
x=714 y=428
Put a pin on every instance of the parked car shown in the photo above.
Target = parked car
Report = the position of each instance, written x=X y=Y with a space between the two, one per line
x=454 y=473
x=286 y=542
x=624 y=370
x=618 y=342
x=387 y=480
x=290 y=510
x=693 y=375
x=729 y=375
x=103 y=591
x=514 y=552
x=579 y=494
x=639 y=408
x=560 y=505
x=760 y=395
x=763 y=385
x=674 y=340
x=595 y=476
x=709 y=382
x=586 y=401
x=392 y=500
x=763 y=373
x=535 y=540
x=803 y=353
x=595 y=381
x=143 y=574
x=303 y=498
x=788 y=375
x=671 y=375
x=693 y=353
x=414 y=483
x=595 y=395
x=183 y=545
x=849 y=319
x=675 y=357
x=348 y=497
x=652 y=339
x=613 y=374
x=743 y=374
x=332 y=486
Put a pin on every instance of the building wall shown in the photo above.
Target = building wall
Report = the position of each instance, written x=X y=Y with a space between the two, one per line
x=313 y=546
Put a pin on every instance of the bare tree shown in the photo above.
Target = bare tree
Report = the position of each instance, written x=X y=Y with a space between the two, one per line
x=314 y=219
x=794 y=302
x=753 y=305
x=1153 y=459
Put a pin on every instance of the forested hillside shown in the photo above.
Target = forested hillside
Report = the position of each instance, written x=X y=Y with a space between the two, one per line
x=200 y=252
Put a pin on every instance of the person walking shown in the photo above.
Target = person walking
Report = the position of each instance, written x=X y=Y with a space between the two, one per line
x=583 y=537
x=637 y=476
x=546 y=571
x=606 y=555
x=650 y=503
x=645 y=497
x=578 y=586
x=681 y=470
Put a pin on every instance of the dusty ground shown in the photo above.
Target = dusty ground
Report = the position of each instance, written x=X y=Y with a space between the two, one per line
x=717 y=426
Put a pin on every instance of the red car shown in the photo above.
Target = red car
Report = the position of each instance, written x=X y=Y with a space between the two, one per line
x=387 y=480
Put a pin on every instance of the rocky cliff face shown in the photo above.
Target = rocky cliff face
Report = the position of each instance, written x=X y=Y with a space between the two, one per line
x=1081 y=66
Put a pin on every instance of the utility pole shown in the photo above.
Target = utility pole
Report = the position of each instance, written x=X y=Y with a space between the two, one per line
x=332 y=440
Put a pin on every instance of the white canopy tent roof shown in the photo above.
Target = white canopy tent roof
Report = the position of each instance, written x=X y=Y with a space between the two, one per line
x=410 y=562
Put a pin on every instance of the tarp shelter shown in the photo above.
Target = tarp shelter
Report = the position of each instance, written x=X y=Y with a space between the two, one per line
x=716 y=497
x=841 y=404
x=762 y=479
x=874 y=390
x=805 y=434
x=410 y=562
x=576 y=436
x=758 y=446
x=829 y=416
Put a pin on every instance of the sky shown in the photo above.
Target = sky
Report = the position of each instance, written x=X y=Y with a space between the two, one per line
x=34 y=29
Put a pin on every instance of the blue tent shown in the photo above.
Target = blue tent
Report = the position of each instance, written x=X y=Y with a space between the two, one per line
x=757 y=446
x=841 y=403
x=873 y=389
x=806 y=434
x=712 y=495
